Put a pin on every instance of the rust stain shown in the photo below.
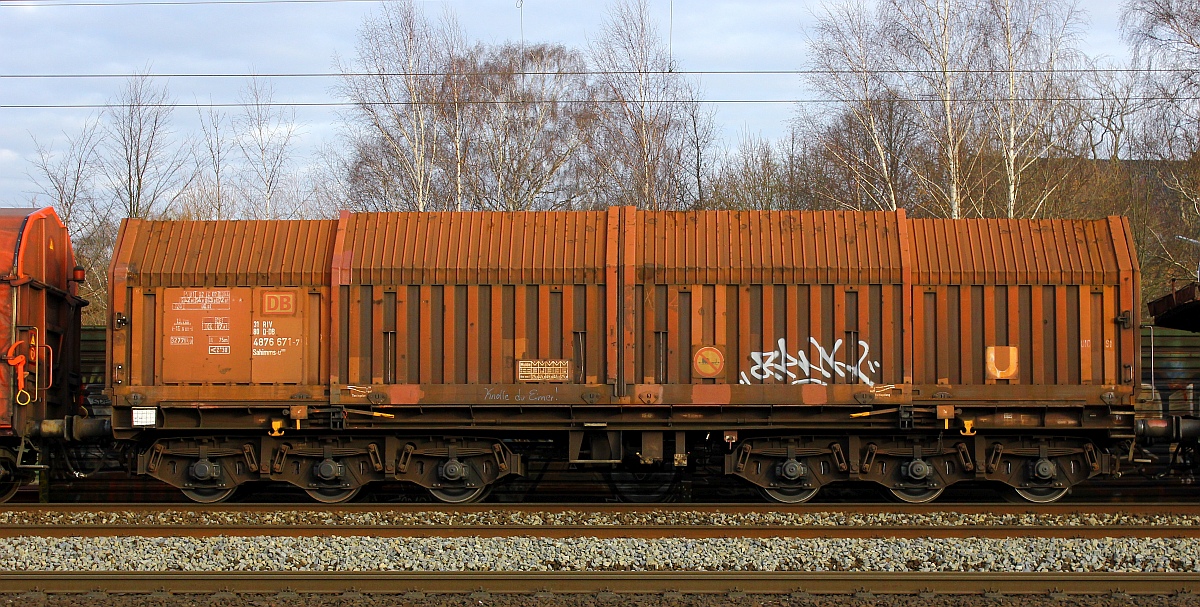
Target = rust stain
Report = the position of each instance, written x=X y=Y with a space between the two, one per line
x=404 y=394
x=814 y=395
x=711 y=394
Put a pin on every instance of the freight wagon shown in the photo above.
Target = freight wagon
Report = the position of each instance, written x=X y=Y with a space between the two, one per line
x=1170 y=372
x=790 y=349
x=39 y=341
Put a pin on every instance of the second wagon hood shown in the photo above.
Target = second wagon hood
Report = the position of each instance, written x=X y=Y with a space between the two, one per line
x=1179 y=309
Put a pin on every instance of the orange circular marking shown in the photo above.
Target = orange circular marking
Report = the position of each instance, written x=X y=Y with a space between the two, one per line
x=709 y=361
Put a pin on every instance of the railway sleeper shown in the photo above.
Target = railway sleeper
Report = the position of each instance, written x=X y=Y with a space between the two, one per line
x=330 y=469
x=917 y=469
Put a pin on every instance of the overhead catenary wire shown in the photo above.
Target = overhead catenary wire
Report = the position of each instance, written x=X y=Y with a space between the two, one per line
x=334 y=104
x=439 y=74
x=789 y=72
x=52 y=3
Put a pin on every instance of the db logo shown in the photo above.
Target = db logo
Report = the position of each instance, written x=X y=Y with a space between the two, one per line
x=279 y=302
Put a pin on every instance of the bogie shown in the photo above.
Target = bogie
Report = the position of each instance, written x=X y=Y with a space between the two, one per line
x=916 y=469
x=330 y=469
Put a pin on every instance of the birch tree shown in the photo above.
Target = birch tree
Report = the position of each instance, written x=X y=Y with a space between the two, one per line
x=850 y=65
x=1029 y=45
x=394 y=84
x=1168 y=33
x=457 y=97
x=937 y=52
x=860 y=166
x=641 y=139
x=536 y=113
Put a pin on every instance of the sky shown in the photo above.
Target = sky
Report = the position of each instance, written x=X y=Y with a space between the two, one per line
x=47 y=37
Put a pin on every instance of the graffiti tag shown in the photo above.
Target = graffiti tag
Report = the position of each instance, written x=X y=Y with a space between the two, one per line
x=532 y=395
x=781 y=365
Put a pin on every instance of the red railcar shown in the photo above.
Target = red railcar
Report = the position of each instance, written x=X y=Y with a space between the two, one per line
x=792 y=349
x=39 y=341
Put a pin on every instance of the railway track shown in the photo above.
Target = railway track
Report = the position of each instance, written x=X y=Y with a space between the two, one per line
x=615 y=531
x=483 y=584
x=653 y=523
x=847 y=509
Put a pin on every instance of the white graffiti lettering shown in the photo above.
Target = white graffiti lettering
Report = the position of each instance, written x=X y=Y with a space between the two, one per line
x=781 y=365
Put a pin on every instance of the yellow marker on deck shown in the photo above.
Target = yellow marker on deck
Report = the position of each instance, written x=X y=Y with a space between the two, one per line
x=371 y=413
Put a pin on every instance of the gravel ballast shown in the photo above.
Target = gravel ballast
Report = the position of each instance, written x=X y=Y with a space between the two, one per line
x=645 y=600
x=532 y=554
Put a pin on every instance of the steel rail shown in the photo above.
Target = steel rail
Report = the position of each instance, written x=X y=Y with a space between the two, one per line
x=481 y=584
x=1157 y=508
x=606 y=531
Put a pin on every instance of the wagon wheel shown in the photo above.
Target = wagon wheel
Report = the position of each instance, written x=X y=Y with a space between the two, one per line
x=208 y=495
x=9 y=489
x=460 y=495
x=333 y=495
x=917 y=495
x=643 y=486
x=13 y=481
x=789 y=495
x=1041 y=495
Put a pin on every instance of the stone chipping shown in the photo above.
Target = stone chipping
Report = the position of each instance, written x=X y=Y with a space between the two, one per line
x=532 y=554
x=589 y=600
x=528 y=552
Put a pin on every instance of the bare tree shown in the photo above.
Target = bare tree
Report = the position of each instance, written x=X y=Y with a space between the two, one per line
x=937 y=51
x=266 y=135
x=213 y=193
x=1167 y=32
x=394 y=83
x=1028 y=45
x=750 y=177
x=145 y=169
x=375 y=179
x=641 y=137
x=862 y=164
x=534 y=114
x=850 y=65
x=1114 y=96
x=798 y=174
x=457 y=96
x=67 y=180
x=901 y=70
x=700 y=135
x=330 y=180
